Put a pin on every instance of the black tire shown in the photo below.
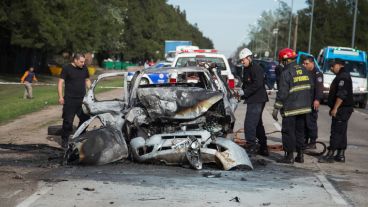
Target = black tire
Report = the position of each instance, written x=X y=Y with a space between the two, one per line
x=144 y=81
x=54 y=130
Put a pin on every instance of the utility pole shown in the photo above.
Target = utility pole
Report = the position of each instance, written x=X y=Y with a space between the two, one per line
x=310 y=29
x=296 y=32
x=290 y=21
x=276 y=33
x=354 y=24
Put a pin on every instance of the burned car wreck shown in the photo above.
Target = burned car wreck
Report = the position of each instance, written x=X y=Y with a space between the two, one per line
x=179 y=122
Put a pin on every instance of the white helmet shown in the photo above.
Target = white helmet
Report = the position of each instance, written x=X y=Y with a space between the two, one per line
x=245 y=53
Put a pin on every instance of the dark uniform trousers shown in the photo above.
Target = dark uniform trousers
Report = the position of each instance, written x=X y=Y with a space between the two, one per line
x=339 y=126
x=311 y=128
x=293 y=132
x=72 y=107
x=253 y=124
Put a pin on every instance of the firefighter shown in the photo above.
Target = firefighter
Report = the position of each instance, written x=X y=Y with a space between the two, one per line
x=311 y=132
x=340 y=101
x=294 y=102
x=255 y=97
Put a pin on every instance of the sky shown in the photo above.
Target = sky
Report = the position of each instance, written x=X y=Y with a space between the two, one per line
x=226 y=22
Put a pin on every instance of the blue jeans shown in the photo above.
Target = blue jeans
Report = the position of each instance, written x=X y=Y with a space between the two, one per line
x=253 y=125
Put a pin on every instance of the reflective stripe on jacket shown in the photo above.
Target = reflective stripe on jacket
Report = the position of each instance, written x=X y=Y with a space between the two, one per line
x=294 y=95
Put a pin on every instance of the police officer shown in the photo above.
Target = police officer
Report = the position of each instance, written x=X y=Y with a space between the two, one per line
x=255 y=97
x=294 y=101
x=340 y=101
x=76 y=78
x=311 y=132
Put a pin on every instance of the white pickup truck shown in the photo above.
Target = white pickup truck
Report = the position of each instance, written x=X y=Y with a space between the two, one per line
x=196 y=57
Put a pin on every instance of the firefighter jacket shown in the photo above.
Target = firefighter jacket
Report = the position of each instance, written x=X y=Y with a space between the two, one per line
x=254 y=84
x=294 y=95
x=341 y=87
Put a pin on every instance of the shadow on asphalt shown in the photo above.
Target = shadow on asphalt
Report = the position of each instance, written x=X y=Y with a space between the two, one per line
x=28 y=155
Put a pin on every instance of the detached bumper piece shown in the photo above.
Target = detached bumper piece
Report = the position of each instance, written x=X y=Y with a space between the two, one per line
x=190 y=147
x=97 y=147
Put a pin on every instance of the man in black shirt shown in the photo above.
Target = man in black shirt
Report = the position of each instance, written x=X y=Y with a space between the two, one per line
x=76 y=78
x=340 y=101
x=255 y=97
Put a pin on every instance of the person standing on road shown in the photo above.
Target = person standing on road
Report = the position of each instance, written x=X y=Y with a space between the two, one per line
x=255 y=97
x=340 y=101
x=294 y=101
x=76 y=78
x=278 y=70
x=27 y=79
x=311 y=132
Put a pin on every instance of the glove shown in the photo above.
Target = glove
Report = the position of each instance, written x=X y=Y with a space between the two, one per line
x=274 y=114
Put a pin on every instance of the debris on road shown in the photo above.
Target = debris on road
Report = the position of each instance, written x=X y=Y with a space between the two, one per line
x=236 y=199
x=89 y=189
x=151 y=199
x=211 y=175
x=243 y=179
x=18 y=177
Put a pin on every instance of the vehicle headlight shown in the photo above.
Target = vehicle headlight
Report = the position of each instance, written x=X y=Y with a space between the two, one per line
x=326 y=85
x=362 y=89
x=194 y=145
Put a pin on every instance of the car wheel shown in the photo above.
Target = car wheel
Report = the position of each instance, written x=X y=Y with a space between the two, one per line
x=144 y=81
x=55 y=130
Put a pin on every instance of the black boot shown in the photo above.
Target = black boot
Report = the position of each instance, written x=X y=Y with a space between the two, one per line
x=263 y=150
x=300 y=156
x=340 y=156
x=328 y=158
x=288 y=158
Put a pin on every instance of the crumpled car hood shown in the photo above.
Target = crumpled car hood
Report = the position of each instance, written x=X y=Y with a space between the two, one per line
x=177 y=102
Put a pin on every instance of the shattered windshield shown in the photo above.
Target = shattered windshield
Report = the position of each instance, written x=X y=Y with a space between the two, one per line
x=199 y=60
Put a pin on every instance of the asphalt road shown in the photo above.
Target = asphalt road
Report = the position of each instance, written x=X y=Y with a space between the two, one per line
x=38 y=173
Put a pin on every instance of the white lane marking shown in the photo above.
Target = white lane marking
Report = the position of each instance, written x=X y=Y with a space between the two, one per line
x=34 y=197
x=277 y=126
x=331 y=190
x=13 y=194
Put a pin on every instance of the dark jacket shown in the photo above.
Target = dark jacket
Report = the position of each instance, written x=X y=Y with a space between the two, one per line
x=317 y=92
x=278 y=70
x=254 y=84
x=341 y=87
x=294 y=95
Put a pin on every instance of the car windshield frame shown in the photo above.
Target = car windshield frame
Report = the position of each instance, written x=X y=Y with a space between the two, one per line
x=359 y=71
x=196 y=60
